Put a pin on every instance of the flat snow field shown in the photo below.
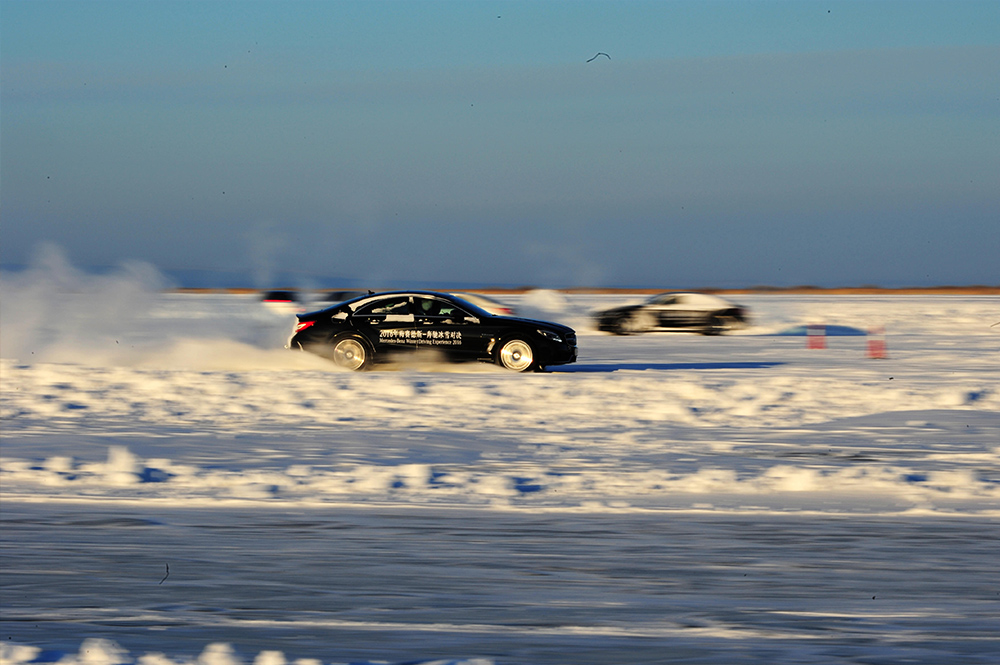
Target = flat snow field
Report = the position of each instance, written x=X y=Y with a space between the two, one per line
x=178 y=488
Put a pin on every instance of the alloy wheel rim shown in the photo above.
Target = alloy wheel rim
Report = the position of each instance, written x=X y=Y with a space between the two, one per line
x=349 y=354
x=516 y=356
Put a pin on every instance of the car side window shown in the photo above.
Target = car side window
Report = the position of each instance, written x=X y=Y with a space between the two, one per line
x=427 y=306
x=388 y=306
x=455 y=313
x=441 y=309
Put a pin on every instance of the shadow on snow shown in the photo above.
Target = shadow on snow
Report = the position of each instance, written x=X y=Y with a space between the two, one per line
x=621 y=367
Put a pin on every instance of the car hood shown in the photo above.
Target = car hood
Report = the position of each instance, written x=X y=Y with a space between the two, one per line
x=547 y=325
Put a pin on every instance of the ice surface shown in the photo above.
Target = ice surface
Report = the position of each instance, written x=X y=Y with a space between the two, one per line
x=149 y=401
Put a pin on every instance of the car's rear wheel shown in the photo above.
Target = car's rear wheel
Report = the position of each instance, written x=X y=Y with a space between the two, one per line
x=636 y=322
x=517 y=355
x=350 y=352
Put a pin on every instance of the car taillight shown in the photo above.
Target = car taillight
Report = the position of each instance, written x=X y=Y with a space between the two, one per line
x=302 y=325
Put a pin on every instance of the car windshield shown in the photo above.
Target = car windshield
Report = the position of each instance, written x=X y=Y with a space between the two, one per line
x=471 y=308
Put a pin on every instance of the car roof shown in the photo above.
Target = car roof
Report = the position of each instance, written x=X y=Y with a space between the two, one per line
x=692 y=296
x=361 y=301
x=414 y=292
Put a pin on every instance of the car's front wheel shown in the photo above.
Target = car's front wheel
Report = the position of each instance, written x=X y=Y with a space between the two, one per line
x=350 y=352
x=517 y=355
x=715 y=325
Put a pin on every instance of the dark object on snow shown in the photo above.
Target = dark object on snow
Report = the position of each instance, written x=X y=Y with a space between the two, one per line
x=828 y=330
x=380 y=327
x=685 y=312
x=283 y=301
x=282 y=296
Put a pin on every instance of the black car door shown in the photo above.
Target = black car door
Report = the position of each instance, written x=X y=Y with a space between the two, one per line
x=443 y=325
x=676 y=312
x=663 y=309
x=385 y=323
x=686 y=313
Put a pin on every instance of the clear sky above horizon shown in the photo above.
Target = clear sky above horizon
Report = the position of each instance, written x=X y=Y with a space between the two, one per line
x=717 y=144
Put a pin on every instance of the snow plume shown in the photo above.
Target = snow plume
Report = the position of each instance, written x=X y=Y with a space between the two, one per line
x=549 y=305
x=265 y=246
x=54 y=312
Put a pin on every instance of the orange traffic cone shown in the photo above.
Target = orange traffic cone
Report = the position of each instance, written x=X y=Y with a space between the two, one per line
x=876 y=344
x=816 y=336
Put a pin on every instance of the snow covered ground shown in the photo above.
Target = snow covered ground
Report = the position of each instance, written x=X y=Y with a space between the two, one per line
x=669 y=498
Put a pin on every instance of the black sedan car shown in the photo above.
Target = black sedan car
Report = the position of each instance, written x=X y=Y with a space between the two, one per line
x=694 y=312
x=381 y=327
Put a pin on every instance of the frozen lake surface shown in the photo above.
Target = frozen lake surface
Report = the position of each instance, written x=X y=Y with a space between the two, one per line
x=400 y=584
x=669 y=498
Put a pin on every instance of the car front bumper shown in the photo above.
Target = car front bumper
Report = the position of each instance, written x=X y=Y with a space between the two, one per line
x=561 y=354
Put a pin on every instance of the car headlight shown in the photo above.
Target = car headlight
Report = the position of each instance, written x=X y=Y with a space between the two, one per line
x=549 y=335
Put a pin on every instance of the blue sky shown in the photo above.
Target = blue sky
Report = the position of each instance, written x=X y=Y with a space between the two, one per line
x=721 y=144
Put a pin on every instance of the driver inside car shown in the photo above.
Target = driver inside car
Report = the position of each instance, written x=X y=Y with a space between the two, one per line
x=428 y=307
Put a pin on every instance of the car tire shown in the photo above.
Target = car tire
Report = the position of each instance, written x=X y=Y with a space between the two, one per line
x=516 y=355
x=350 y=351
x=636 y=322
x=618 y=326
x=715 y=325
